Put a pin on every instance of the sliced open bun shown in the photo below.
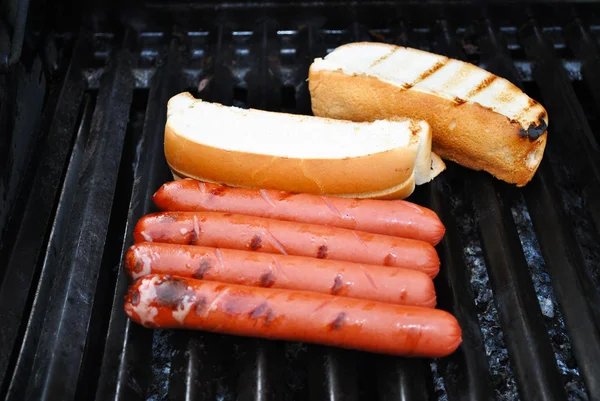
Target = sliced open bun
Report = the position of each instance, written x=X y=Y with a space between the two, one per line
x=260 y=149
x=479 y=120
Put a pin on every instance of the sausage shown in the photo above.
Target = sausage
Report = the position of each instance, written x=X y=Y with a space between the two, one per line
x=163 y=301
x=378 y=283
x=234 y=231
x=389 y=217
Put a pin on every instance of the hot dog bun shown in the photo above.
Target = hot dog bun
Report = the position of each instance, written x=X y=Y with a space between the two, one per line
x=260 y=149
x=479 y=120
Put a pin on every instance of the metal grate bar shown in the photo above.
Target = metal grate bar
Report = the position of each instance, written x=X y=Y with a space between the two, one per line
x=466 y=371
x=218 y=81
x=585 y=47
x=310 y=45
x=263 y=80
x=332 y=374
x=527 y=340
x=577 y=142
x=23 y=264
x=562 y=256
x=124 y=373
x=563 y=261
x=520 y=316
x=27 y=350
x=59 y=356
x=401 y=378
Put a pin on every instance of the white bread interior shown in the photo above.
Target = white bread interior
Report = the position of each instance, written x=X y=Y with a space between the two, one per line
x=260 y=149
x=478 y=119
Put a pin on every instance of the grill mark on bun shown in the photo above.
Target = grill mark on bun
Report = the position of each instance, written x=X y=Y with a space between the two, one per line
x=432 y=70
x=481 y=86
x=382 y=58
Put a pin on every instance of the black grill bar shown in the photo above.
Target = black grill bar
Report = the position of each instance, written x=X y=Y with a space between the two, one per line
x=401 y=378
x=564 y=261
x=218 y=81
x=585 y=48
x=562 y=256
x=577 y=140
x=22 y=266
x=125 y=371
x=263 y=80
x=332 y=374
x=309 y=46
x=466 y=371
x=520 y=316
x=22 y=371
x=557 y=240
x=526 y=337
x=60 y=352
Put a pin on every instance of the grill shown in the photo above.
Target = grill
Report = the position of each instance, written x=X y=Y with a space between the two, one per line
x=519 y=268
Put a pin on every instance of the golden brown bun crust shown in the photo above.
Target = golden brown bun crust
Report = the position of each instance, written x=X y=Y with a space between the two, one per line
x=387 y=174
x=469 y=134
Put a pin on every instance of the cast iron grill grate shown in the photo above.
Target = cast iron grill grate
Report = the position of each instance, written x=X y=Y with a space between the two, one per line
x=519 y=268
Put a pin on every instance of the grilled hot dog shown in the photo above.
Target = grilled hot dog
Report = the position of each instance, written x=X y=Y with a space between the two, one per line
x=173 y=302
x=378 y=283
x=397 y=217
x=223 y=230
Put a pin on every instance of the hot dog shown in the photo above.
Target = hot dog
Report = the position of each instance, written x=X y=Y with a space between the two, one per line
x=162 y=301
x=397 y=217
x=378 y=283
x=223 y=230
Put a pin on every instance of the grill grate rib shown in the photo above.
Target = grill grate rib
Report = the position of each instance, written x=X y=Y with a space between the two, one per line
x=62 y=290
